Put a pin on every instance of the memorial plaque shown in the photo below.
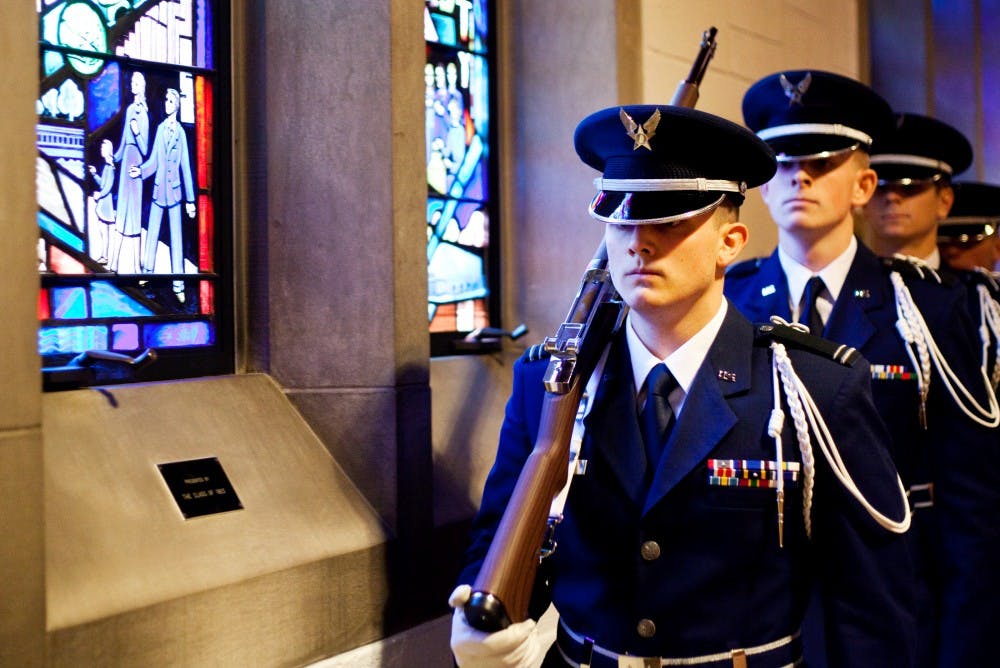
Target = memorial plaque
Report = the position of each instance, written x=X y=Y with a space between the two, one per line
x=200 y=487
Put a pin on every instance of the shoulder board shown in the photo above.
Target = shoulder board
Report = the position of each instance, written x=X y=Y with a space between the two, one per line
x=914 y=270
x=987 y=278
x=764 y=333
x=744 y=268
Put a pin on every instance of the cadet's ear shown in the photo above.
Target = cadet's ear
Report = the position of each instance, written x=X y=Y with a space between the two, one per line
x=865 y=183
x=946 y=197
x=733 y=237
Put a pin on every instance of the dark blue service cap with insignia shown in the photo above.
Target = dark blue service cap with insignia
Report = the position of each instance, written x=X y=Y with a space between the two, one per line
x=663 y=164
x=974 y=216
x=811 y=114
x=920 y=149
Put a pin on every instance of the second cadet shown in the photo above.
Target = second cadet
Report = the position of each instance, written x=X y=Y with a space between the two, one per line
x=903 y=318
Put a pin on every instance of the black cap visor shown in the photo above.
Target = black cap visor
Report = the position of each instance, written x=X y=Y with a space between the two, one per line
x=793 y=148
x=967 y=233
x=648 y=208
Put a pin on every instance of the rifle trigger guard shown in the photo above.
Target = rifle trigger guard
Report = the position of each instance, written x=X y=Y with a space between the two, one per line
x=549 y=545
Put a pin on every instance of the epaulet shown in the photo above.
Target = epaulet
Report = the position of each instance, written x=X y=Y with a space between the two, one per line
x=744 y=268
x=764 y=333
x=536 y=352
x=913 y=269
x=981 y=277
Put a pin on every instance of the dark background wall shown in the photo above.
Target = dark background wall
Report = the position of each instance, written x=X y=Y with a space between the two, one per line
x=942 y=58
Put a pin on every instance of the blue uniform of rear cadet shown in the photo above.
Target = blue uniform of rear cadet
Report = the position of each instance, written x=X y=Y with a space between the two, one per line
x=672 y=549
x=910 y=322
x=915 y=163
x=969 y=244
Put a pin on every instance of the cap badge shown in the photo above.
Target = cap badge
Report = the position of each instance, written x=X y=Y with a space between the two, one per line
x=640 y=134
x=794 y=92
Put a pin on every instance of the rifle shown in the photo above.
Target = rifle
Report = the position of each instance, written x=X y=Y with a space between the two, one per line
x=502 y=589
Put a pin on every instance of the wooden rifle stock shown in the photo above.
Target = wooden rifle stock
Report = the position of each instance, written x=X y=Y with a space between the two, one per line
x=502 y=590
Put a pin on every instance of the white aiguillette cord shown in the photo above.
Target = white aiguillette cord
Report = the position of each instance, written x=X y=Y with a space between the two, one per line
x=915 y=334
x=989 y=323
x=806 y=416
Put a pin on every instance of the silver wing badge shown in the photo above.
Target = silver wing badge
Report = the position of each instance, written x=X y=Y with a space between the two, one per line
x=640 y=134
x=794 y=92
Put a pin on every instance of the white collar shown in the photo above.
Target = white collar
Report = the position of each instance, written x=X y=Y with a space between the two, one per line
x=683 y=363
x=833 y=274
x=934 y=259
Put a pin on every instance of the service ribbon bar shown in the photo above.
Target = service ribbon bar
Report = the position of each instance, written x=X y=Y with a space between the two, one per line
x=891 y=372
x=753 y=464
x=724 y=481
x=751 y=472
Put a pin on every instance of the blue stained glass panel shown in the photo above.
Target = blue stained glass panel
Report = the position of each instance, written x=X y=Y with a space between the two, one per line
x=64 y=235
x=125 y=336
x=205 y=57
x=110 y=302
x=178 y=334
x=445 y=31
x=69 y=303
x=55 y=340
x=103 y=97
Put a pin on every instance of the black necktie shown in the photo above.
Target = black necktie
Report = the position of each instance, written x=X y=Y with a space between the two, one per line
x=810 y=314
x=657 y=416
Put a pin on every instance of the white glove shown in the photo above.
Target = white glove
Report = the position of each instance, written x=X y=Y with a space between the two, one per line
x=517 y=646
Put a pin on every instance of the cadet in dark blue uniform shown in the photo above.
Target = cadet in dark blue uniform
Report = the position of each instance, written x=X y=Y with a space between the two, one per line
x=915 y=163
x=969 y=245
x=672 y=550
x=823 y=126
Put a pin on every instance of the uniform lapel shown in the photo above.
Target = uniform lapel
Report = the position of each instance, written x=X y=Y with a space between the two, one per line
x=862 y=292
x=706 y=417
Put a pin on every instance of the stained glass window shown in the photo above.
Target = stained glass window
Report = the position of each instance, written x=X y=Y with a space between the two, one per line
x=130 y=227
x=461 y=204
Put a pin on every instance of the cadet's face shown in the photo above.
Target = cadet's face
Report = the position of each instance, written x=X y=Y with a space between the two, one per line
x=817 y=195
x=671 y=266
x=901 y=215
x=984 y=254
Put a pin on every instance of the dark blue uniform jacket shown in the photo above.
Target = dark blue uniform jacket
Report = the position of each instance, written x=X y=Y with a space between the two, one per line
x=721 y=580
x=951 y=539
